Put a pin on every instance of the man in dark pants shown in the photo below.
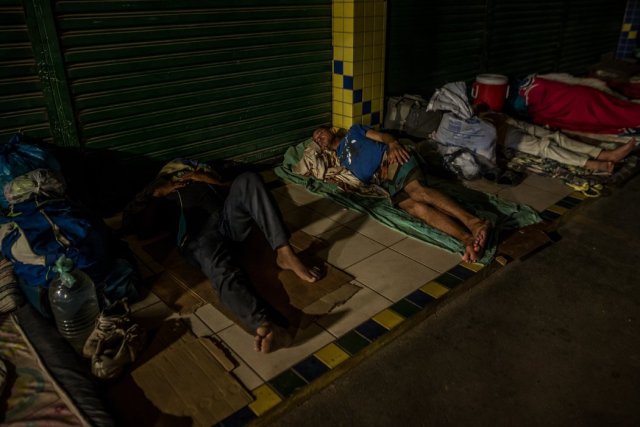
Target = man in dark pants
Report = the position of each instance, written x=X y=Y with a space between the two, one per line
x=207 y=215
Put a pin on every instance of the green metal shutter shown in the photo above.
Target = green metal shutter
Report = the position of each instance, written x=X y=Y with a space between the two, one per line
x=431 y=43
x=202 y=79
x=591 y=29
x=22 y=105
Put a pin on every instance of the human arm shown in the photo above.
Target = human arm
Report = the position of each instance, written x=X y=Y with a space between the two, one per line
x=396 y=153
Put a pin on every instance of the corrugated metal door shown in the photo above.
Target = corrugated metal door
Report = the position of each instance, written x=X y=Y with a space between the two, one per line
x=225 y=79
x=431 y=43
x=22 y=104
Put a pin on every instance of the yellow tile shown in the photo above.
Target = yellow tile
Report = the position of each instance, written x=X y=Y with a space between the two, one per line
x=266 y=398
x=336 y=80
x=338 y=53
x=557 y=209
x=337 y=94
x=347 y=109
x=338 y=24
x=376 y=104
x=626 y=27
x=473 y=266
x=578 y=195
x=336 y=120
x=380 y=9
x=378 y=52
x=356 y=120
x=369 y=9
x=358 y=8
x=347 y=68
x=357 y=109
x=348 y=122
x=357 y=67
x=366 y=93
x=347 y=39
x=377 y=65
x=378 y=37
x=337 y=107
x=331 y=355
x=347 y=95
x=338 y=38
x=632 y=35
x=336 y=9
x=347 y=53
x=348 y=25
x=367 y=80
x=376 y=91
x=348 y=10
x=388 y=319
x=368 y=38
x=367 y=66
x=434 y=289
x=368 y=53
x=366 y=119
x=358 y=24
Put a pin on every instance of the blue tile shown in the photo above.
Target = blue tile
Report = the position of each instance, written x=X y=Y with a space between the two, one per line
x=310 y=368
x=287 y=383
x=347 y=82
x=461 y=272
x=549 y=216
x=357 y=96
x=419 y=298
x=375 y=118
x=239 y=418
x=371 y=330
x=405 y=308
x=338 y=67
x=366 y=107
x=448 y=280
x=568 y=202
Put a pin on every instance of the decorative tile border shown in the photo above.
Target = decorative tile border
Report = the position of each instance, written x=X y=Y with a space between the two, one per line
x=276 y=391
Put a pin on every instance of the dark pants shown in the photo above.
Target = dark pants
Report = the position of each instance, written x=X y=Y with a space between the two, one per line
x=248 y=203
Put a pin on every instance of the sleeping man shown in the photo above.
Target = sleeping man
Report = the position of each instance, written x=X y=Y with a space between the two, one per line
x=364 y=151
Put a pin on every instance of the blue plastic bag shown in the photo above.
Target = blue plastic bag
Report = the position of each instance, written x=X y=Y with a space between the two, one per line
x=18 y=158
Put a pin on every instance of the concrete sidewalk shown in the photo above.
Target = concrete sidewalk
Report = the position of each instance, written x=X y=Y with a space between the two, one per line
x=551 y=340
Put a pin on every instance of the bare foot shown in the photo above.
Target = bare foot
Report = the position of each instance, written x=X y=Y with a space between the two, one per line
x=470 y=254
x=288 y=260
x=600 y=166
x=270 y=338
x=480 y=231
x=619 y=153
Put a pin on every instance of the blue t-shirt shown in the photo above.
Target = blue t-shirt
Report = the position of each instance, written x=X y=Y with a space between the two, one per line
x=359 y=154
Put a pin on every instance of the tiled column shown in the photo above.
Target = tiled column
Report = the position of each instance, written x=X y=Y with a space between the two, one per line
x=358 y=61
x=629 y=33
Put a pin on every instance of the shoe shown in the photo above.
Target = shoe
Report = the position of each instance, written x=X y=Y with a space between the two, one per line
x=117 y=350
x=115 y=317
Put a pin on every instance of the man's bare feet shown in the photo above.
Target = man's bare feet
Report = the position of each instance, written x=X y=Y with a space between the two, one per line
x=288 y=260
x=270 y=337
x=470 y=255
x=480 y=231
x=619 y=153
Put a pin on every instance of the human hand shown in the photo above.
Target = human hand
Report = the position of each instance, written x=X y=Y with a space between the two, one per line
x=163 y=188
x=397 y=153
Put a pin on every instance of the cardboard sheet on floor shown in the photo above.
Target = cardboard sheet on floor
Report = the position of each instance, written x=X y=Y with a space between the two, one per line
x=184 y=288
x=188 y=378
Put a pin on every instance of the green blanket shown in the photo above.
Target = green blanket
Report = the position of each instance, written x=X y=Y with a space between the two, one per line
x=503 y=214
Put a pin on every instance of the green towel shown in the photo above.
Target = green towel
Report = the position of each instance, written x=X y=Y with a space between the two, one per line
x=503 y=214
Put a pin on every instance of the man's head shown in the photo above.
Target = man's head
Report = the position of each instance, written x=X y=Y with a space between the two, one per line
x=325 y=138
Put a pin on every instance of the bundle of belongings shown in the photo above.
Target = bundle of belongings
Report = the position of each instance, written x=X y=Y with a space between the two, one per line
x=39 y=224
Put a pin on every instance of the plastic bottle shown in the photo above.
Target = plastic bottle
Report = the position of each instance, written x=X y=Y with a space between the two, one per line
x=74 y=304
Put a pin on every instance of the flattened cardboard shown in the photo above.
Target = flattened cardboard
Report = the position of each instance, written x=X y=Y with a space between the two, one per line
x=189 y=377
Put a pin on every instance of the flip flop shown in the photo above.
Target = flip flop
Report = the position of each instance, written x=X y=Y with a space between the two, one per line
x=586 y=189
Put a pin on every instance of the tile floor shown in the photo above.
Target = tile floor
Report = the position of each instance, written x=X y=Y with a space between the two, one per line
x=386 y=264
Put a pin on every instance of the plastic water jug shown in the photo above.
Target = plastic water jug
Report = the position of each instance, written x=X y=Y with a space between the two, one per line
x=74 y=304
x=491 y=90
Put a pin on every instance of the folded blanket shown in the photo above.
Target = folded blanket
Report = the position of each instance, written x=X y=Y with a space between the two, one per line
x=503 y=214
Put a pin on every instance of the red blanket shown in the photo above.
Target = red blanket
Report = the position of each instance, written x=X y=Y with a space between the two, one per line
x=580 y=108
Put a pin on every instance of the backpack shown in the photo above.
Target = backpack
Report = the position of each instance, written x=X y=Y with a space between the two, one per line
x=18 y=158
x=34 y=235
x=409 y=114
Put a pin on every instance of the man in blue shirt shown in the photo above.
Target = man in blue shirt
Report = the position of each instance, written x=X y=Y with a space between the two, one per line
x=364 y=150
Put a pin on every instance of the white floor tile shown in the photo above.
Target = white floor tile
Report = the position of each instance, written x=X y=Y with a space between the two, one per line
x=269 y=365
x=435 y=258
x=525 y=194
x=376 y=231
x=391 y=274
x=213 y=318
x=360 y=307
x=308 y=221
x=334 y=211
x=347 y=247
